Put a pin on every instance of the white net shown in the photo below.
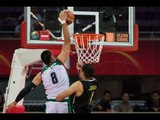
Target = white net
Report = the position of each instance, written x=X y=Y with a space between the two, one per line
x=88 y=47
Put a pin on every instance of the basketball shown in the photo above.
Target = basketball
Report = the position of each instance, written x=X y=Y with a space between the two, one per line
x=70 y=17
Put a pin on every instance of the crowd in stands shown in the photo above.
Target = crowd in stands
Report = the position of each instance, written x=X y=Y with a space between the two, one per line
x=125 y=104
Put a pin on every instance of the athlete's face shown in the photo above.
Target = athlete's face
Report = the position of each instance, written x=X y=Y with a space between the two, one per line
x=155 y=97
x=107 y=97
x=81 y=75
x=125 y=97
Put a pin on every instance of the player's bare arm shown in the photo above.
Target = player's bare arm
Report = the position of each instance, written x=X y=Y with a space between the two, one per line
x=37 y=79
x=66 y=46
x=76 y=88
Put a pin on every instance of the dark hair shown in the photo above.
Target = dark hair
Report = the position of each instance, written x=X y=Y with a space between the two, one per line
x=46 y=57
x=155 y=91
x=124 y=92
x=88 y=70
x=107 y=91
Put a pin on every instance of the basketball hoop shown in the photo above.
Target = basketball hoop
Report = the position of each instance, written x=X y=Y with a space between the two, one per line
x=88 y=47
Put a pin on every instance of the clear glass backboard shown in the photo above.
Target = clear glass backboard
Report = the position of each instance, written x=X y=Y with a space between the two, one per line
x=40 y=28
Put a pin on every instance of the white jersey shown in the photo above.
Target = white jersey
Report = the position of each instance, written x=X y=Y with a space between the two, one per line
x=55 y=79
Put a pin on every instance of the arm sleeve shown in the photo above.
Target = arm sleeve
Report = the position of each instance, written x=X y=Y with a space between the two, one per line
x=25 y=91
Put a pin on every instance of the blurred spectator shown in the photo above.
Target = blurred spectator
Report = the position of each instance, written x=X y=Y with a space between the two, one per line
x=104 y=103
x=153 y=103
x=108 y=18
x=34 y=24
x=124 y=106
x=1 y=101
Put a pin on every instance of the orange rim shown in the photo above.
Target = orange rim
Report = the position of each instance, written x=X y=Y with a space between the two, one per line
x=82 y=39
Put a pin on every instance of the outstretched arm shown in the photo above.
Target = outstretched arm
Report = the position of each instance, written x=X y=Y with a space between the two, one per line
x=36 y=81
x=76 y=88
x=66 y=46
x=79 y=68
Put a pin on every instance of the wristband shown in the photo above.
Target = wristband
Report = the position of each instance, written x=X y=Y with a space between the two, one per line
x=61 y=21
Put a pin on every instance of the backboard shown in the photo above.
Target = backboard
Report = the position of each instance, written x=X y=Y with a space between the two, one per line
x=117 y=23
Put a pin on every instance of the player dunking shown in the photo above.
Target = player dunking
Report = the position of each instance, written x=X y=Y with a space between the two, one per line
x=54 y=76
x=84 y=89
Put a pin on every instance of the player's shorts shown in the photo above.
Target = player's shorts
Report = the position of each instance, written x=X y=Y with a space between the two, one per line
x=53 y=106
